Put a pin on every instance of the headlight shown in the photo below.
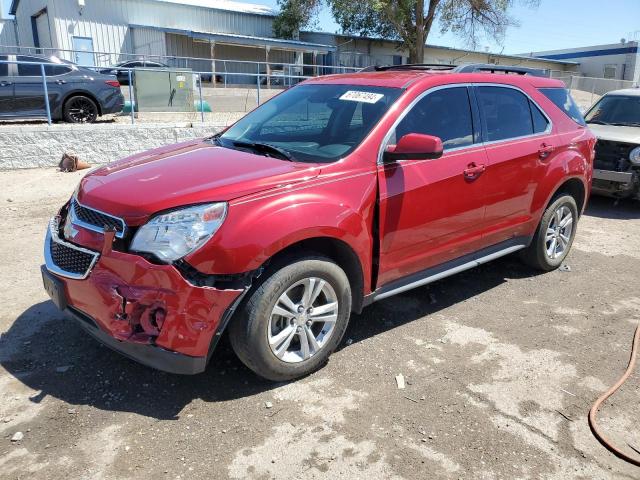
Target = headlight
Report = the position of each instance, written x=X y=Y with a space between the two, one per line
x=173 y=235
x=634 y=156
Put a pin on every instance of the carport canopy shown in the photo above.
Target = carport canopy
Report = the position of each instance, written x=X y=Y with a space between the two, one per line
x=248 y=41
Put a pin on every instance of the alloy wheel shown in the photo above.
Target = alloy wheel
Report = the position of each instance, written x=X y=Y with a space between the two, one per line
x=559 y=232
x=302 y=320
x=82 y=110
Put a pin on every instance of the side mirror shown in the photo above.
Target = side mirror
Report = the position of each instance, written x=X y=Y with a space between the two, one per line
x=414 y=146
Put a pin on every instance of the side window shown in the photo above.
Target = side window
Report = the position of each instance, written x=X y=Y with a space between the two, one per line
x=506 y=113
x=563 y=100
x=28 y=70
x=444 y=113
x=540 y=122
x=4 y=67
x=54 y=70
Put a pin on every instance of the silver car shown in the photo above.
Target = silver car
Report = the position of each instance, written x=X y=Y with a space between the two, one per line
x=615 y=120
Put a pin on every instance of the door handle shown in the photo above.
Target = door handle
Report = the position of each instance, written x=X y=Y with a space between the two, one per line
x=6 y=84
x=473 y=171
x=61 y=82
x=545 y=150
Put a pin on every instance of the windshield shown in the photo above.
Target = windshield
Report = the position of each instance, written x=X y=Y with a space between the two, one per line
x=620 y=110
x=312 y=123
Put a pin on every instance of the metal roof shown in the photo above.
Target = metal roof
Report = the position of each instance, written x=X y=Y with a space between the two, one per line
x=453 y=49
x=248 y=40
x=227 y=5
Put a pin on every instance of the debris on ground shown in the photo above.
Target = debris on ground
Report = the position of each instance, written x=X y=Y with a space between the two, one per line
x=268 y=405
x=400 y=381
x=17 y=437
x=565 y=268
x=63 y=368
x=349 y=342
x=72 y=163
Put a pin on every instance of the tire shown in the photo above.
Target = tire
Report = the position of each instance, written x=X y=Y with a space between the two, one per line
x=541 y=254
x=256 y=325
x=80 y=109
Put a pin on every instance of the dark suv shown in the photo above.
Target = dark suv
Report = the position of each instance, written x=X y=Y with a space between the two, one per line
x=76 y=94
x=339 y=192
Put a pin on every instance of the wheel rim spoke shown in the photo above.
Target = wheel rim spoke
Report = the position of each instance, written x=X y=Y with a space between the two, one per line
x=324 y=309
x=304 y=344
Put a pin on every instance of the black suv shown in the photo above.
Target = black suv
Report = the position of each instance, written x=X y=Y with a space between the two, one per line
x=76 y=94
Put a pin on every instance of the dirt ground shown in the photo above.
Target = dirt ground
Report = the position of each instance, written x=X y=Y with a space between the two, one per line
x=502 y=365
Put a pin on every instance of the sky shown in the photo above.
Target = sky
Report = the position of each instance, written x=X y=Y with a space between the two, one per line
x=555 y=24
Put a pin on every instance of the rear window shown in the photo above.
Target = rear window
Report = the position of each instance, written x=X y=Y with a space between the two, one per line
x=563 y=100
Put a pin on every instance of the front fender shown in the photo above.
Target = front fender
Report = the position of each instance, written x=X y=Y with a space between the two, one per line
x=258 y=228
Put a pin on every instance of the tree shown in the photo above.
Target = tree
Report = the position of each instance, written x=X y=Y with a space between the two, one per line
x=294 y=15
x=409 y=21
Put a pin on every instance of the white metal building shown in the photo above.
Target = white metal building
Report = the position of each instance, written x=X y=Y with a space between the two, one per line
x=620 y=61
x=208 y=29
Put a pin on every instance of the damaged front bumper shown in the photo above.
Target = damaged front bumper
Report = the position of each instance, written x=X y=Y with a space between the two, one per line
x=616 y=184
x=145 y=311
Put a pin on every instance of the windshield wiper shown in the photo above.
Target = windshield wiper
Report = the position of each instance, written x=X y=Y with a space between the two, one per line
x=215 y=139
x=266 y=148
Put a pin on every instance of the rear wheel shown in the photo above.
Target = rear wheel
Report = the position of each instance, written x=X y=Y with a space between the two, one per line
x=293 y=320
x=555 y=234
x=80 y=109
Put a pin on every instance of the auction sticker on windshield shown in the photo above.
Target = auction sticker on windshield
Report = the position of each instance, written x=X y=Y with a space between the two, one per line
x=366 y=97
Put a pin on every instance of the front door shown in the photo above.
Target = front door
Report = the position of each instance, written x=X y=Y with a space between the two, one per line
x=6 y=87
x=432 y=211
x=83 y=51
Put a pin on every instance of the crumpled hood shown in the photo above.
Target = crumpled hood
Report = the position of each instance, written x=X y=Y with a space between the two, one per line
x=616 y=134
x=187 y=173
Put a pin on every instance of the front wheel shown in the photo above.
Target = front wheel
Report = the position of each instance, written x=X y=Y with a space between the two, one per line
x=293 y=320
x=555 y=234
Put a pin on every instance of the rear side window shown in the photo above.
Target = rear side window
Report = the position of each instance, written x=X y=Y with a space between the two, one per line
x=506 y=113
x=444 y=113
x=4 y=67
x=54 y=70
x=28 y=70
x=563 y=100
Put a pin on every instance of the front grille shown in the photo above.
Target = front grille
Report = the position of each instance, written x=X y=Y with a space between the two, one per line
x=96 y=220
x=70 y=260
x=612 y=155
x=66 y=259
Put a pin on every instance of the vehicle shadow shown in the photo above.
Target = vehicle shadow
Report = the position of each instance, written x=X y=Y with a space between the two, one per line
x=605 y=207
x=53 y=356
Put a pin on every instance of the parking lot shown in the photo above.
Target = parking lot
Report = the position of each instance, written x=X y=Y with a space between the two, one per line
x=502 y=365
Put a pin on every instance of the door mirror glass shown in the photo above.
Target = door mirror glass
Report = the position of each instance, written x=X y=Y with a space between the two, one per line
x=414 y=146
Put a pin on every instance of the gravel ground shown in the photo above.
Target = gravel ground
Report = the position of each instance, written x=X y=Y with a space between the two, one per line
x=501 y=364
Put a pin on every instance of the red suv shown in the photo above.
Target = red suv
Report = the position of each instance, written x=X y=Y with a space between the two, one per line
x=339 y=192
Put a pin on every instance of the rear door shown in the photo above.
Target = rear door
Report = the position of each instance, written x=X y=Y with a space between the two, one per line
x=432 y=211
x=517 y=138
x=6 y=87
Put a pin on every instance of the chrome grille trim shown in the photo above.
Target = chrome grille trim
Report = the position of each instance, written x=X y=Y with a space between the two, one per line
x=53 y=237
x=121 y=227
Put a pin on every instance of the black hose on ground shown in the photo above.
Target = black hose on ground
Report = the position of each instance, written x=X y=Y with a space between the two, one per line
x=596 y=406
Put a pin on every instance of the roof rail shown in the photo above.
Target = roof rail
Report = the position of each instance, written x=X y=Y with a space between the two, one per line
x=409 y=66
x=491 y=68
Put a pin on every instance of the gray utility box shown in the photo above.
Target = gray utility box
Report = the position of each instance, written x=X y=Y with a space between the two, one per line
x=162 y=91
